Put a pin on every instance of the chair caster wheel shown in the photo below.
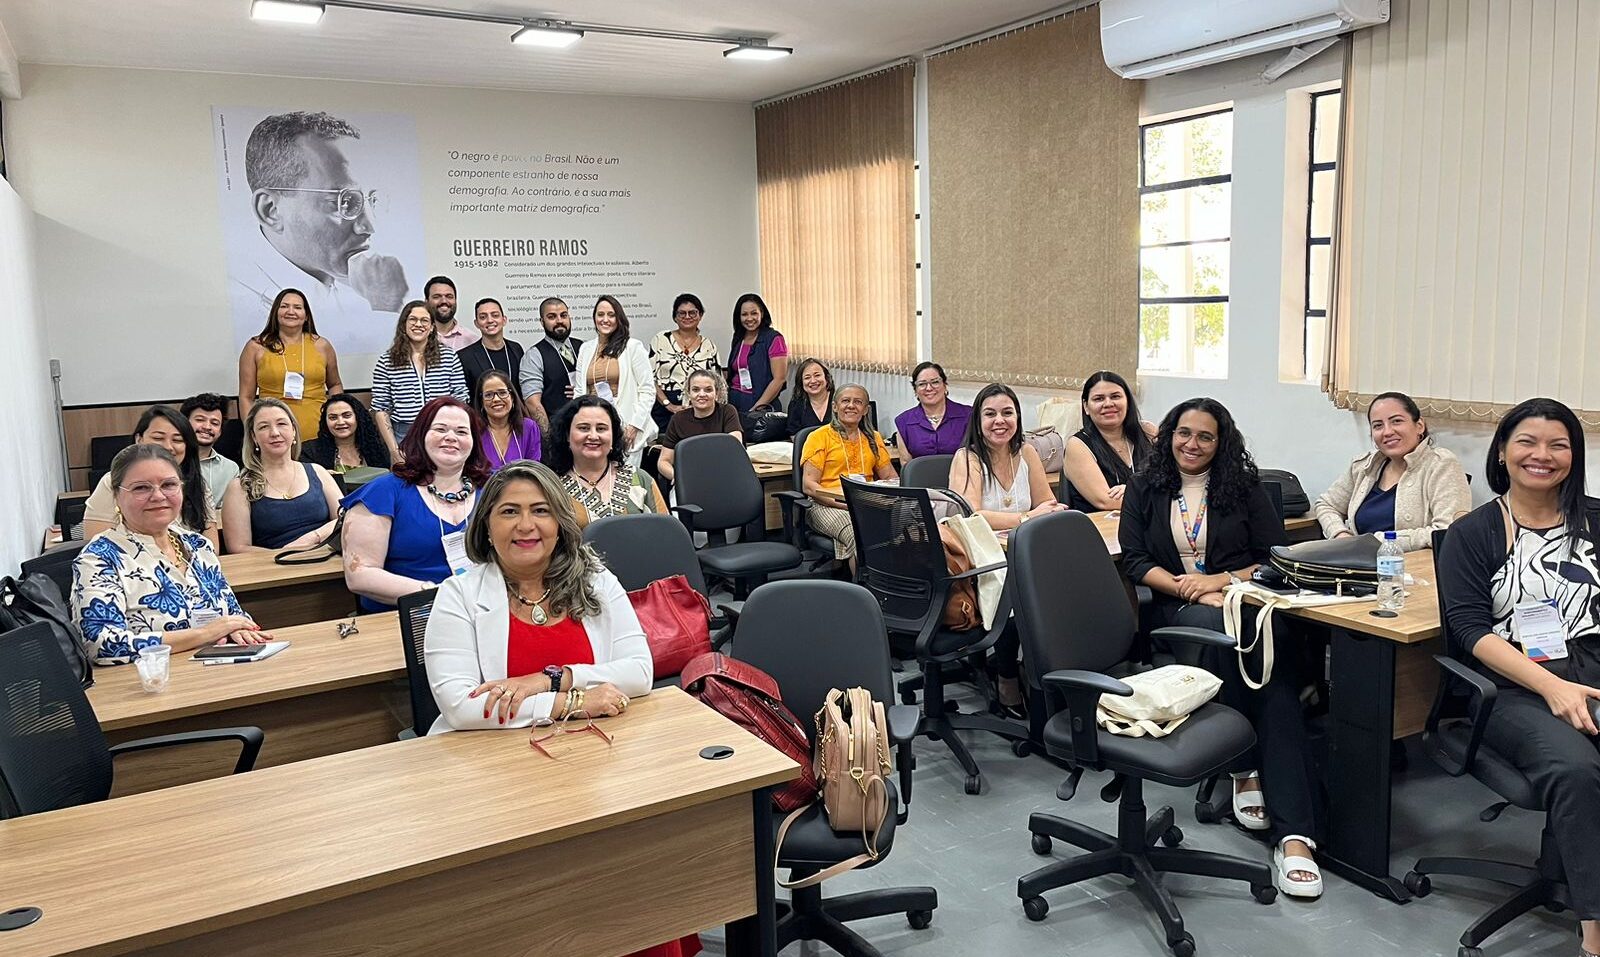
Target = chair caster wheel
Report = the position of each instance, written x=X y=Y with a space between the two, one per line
x=1184 y=946
x=1041 y=844
x=1022 y=748
x=919 y=919
x=1264 y=893
x=1173 y=837
x=974 y=784
x=1418 y=884
x=1035 y=908
x=1469 y=952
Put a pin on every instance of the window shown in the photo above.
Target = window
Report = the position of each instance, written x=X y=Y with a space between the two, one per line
x=1320 y=195
x=1185 y=193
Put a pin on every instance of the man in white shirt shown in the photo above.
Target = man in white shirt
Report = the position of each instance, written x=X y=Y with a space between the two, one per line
x=441 y=295
x=205 y=414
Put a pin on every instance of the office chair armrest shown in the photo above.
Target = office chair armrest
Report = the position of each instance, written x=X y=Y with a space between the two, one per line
x=975 y=572
x=249 y=739
x=729 y=615
x=686 y=515
x=792 y=504
x=1481 y=697
x=1082 y=690
x=1071 y=682
x=1195 y=636
x=904 y=720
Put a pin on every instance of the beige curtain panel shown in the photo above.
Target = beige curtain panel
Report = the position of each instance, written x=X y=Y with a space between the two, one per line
x=1033 y=162
x=834 y=170
x=1469 y=255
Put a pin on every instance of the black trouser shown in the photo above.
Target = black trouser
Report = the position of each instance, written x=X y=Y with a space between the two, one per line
x=1006 y=648
x=1283 y=752
x=1563 y=764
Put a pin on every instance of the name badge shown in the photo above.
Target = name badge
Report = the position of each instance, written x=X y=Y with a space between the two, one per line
x=455 y=552
x=1538 y=628
x=602 y=389
x=744 y=379
x=294 y=386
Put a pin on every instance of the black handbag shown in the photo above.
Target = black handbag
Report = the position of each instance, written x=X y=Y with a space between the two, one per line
x=1295 y=501
x=765 y=425
x=1339 y=566
x=309 y=554
x=36 y=598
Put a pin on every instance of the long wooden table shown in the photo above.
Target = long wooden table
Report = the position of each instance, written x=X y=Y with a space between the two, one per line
x=322 y=695
x=468 y=843
x=277 y=596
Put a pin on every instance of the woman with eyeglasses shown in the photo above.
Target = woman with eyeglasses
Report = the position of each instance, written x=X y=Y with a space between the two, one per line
x=937 y=424
x=148 y=581
x=508 y=434
x=676 y=354
x=167 y=427
x=1192 y=523
x=289 y=362
x=416 y=370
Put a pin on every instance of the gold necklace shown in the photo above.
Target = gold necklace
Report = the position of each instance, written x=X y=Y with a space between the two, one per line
x=538 y=614
x=1007 y=497
x=180 y=560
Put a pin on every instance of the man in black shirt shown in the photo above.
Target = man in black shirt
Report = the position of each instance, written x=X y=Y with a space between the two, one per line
x=494 y=350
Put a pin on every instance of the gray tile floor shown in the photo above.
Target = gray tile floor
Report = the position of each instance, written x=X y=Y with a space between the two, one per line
x=973 y=849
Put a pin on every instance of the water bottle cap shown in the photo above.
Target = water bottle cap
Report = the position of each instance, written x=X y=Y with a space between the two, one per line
x=1388 y=536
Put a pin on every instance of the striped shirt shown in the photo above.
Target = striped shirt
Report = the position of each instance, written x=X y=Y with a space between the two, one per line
x=402 y=393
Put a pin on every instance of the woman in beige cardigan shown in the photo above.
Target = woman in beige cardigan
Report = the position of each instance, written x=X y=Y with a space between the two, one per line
x=1408 y=485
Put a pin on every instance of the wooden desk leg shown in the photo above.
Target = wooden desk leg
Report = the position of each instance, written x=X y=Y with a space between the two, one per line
x=1360 y=727
x=757 y=935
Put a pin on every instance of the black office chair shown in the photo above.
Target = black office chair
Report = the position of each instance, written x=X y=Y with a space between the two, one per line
x=813 y=636
x=53 y=754
x=102 y=449
x=230 y=441
x=69 y=516
x=1456 y=745
x=57 y=563
x=414 y=610
x=927 y=471
x=1274 y=492
x=717 y=491
x=900 y=559
x=816 y=549
x=1076 y=624
x=640 y=549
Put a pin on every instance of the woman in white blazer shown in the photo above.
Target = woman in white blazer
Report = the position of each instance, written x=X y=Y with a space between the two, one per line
x=537 y=628
x=616 y=367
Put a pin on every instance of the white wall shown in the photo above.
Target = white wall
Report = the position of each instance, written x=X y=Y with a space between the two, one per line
x=120 y=167
x=29 y=442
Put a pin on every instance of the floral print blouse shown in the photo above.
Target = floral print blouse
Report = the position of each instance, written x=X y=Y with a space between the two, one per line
x=126 y=594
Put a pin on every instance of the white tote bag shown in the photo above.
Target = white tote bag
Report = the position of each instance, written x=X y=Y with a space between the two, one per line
x=1162 y=699
x=1233 y=602
x=983 y=547
x=1064 y=413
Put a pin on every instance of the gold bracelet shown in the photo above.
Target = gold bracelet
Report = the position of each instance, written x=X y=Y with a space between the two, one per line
x=580 y=697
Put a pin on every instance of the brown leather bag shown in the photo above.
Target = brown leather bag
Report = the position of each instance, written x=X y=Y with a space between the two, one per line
x=851 y=764
x=961 y=602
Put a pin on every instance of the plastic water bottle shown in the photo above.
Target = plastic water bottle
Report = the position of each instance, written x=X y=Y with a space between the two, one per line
x=1391 y=574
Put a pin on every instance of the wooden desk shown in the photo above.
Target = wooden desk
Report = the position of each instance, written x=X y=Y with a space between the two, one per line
x=466 y=843
x=1302 y=528
x=281 y=595
x=774 y=478
x=322 y=695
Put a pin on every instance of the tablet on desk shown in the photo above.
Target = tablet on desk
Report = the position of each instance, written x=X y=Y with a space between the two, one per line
x=221 y=653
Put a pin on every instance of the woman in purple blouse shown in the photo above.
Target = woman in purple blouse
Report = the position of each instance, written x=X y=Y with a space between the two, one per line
x=936 y=424
x=509 y=435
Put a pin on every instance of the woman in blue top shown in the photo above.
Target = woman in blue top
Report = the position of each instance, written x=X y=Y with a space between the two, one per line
x=404 y=532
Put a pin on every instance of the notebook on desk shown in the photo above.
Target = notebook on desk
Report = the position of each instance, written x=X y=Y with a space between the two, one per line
x=217 y=654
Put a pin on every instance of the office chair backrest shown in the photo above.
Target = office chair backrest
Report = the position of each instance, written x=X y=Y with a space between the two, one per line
x=899 y=555
x=1071 y=607
x=927 y=471
x=230 y=440
x=714 y=473
x=102 y=449
x=52 y=752
x=640 y=549
x=414 y=610
x=813 y=635
x=57 y=563
x=799 y=446
x=1274 y=495
x=69 y=517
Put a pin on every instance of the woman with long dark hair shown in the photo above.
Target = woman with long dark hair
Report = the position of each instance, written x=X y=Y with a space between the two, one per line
x=277 y=364
x=1112 y=447
x=1504 y=567
x=1192 y=523
x=167 y=427
x=508 y=435
x=811 y=405
x=616 y=367
x=416 y=370
x=758 y=359
x=347 y=437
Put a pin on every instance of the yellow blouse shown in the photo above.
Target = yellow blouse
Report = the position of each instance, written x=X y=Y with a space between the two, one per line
x=305 y=358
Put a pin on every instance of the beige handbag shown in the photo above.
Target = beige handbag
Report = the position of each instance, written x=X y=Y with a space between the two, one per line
x=983 y=548
x=851 y=761
x=1162 y=699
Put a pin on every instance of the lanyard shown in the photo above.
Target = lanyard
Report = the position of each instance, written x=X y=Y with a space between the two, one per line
x=1192 y=534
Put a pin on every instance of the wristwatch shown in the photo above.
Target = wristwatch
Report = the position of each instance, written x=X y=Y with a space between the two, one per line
x=553 y=672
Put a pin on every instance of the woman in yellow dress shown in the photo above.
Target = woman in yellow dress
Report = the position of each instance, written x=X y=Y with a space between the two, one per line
x=290 y=362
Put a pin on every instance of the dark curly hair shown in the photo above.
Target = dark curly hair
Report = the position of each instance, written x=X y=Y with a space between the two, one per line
x=1233 y=471
x=558 y=441
x=325 y=450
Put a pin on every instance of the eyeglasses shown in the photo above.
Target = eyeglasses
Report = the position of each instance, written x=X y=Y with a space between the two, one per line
x=496 y=394
x=426 y=321
x=687 y=313
x=147 y=489
x=1204 y=438
x=352 y=201
x=928 y=383
x=537 y=740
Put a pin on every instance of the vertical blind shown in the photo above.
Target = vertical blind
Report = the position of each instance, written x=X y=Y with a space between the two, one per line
x=1469 y=246
x=1033 y=165
x=834 y=175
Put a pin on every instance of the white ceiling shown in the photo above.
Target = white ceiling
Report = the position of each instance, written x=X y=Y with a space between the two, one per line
x=831 y=38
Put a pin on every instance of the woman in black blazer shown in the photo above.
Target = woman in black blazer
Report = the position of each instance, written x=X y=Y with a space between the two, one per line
x=1196 y=520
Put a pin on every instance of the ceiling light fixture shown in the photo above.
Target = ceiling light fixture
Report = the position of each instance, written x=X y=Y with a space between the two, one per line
x=286 y=11
x=755 y=48
x=546 y=33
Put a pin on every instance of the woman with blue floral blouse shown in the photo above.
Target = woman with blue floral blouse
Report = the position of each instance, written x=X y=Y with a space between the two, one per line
x=146 y=581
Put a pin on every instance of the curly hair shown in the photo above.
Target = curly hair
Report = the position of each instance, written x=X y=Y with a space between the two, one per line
x=558 y=441
x=399 y=354
x=325 y=452
x=570 y=575
x=1233 y=470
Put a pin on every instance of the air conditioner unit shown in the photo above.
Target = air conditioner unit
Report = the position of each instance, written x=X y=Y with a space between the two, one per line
x=1146 y=38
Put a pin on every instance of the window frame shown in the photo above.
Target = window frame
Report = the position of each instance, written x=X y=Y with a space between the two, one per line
x=1312 y=240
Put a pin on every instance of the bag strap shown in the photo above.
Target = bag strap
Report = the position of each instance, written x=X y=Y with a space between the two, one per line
x=1233 y=622
x=870 y=838
x=303 y=554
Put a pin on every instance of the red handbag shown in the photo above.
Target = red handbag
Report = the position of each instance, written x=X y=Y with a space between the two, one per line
x=747 y=696
x=676 y=621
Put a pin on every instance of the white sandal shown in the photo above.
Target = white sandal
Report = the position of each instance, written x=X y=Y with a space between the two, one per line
x=1284 y=865
x=1249 y=807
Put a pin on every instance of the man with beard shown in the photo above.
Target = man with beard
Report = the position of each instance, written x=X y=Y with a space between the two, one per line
x=441 y=295
x=548 y=373
x=494 y=350
x=205 y=414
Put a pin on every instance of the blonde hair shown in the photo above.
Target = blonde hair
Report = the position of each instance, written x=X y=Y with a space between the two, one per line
x=569 y=579
x=251 y=478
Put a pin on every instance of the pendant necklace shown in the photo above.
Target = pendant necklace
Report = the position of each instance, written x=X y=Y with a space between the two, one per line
x=538 y=613
x=452 y=498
